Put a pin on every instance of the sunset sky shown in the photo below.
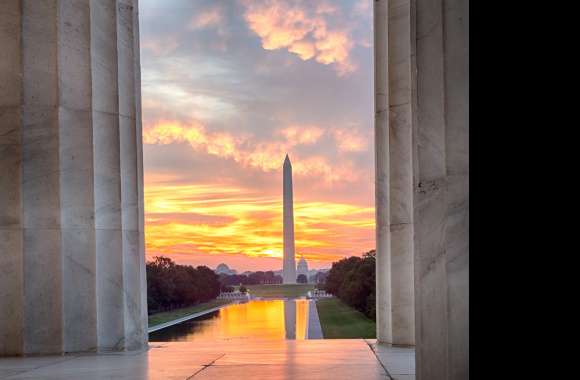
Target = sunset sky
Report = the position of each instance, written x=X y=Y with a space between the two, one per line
x=230 y=87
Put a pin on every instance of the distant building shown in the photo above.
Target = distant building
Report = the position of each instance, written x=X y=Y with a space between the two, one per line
x=224 y=269
x=302 y=267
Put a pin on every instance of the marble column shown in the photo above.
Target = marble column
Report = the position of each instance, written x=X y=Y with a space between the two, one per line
x=394 y=173
x=71 y=224
x=422 y=185
x=442 y=188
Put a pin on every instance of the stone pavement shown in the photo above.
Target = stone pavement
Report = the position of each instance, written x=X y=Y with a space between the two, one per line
x=314 y=327
x=254 y=359
x=399 y=361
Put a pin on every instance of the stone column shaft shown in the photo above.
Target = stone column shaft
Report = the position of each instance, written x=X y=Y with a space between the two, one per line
x=394 y=173
x=441 y=189
x=71 y=230
x=422 y=181
x=11 y=218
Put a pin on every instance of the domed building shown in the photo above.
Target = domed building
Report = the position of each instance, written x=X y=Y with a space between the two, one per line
x=224 y=269
x=302 y=267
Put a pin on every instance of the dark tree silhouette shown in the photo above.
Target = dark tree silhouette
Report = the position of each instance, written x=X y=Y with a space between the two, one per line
x=255 y=278
x=301 y=279
x=353 y=281
x=170 y=285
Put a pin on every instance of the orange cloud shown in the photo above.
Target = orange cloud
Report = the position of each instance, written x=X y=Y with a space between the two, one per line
x=302 y=135
x=334 y=47
x=265 y=156
x=305 y=50
x=329 y=173
x=291 y=26
x=217 y=144
x=349 y=140
x=217 y=219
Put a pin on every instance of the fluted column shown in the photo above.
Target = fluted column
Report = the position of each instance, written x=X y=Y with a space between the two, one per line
x=422 y=181
x=11 y=223
x=394 y=173
x=71 y=142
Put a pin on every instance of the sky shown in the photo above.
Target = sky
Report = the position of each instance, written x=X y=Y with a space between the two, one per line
x=228 y=88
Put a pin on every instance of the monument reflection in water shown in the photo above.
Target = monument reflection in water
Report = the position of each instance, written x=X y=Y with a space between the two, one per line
x=258 y=319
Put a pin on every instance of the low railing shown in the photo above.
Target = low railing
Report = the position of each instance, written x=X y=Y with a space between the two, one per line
x=318 y=294
x=233 y=296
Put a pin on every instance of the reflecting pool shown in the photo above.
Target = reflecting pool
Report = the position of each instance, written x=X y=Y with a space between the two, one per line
x=258 y=319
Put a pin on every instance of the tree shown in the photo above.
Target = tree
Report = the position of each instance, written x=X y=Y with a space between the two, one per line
x=353 y=281
x=337 y=274
x=243 y=289
x=269 y=277
x=301 y=279
x=207 y=282
x=235 y=279
x=257 y=278
x=320 y=277
x=160 y=288
x=170 y=285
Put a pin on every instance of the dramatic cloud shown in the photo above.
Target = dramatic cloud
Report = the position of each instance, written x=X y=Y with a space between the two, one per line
x=230 y=87
x=242 y=221
x=302 y=135
x=301 y=28
x=265 y=156
x=350 y=140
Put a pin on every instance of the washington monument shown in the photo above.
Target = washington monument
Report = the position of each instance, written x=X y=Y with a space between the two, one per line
x=289 y=268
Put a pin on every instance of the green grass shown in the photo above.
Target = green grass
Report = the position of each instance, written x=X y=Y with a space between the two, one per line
x=340 y=321
x=274 y=291
x=166 y=316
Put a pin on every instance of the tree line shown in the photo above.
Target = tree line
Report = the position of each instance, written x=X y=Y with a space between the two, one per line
x=254 y=278
x=353 y=281
x=170 y=285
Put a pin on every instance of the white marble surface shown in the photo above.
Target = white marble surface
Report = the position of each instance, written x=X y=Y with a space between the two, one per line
x=422 y=181
x=110 y=295
x=71 y=215
x=441 y=189
x=314 y=327
x=382 y=162
x=456 y=13
x=334 y=359
x=394 y=173
x=10 y=169
x=399 y=361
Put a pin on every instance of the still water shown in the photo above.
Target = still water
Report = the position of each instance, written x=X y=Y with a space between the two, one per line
x=258 y=319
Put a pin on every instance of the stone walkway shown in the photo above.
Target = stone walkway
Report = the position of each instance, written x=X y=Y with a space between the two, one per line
x=267 y=359
x=398 y=361
x=314 y=327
